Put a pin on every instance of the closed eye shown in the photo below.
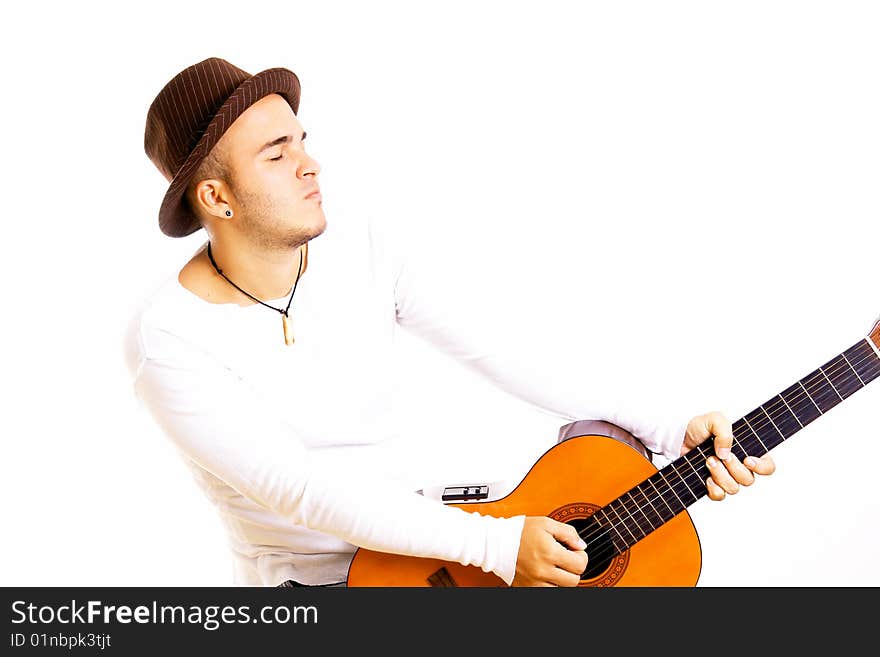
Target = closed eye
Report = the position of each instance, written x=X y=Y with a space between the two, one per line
x=273 y=159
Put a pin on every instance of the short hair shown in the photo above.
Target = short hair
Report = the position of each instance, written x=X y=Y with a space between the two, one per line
x=213 y=166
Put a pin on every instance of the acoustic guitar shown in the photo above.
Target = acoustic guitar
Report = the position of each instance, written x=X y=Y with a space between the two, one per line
x=632 y=516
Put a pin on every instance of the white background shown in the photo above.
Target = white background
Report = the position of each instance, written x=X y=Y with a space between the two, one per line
x=692 y=186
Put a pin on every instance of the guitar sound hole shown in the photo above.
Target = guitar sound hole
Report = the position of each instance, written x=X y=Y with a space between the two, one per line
x=600 y=549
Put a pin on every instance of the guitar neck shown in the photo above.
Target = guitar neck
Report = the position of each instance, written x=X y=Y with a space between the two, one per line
x=669 y=491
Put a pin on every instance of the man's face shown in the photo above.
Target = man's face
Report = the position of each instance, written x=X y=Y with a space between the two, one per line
x=271 y=174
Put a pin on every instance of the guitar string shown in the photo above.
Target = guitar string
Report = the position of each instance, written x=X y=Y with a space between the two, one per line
x=837 y=367
x=795 y=399
x=800 y=396
x=609 y=546
x=631 y=510
x=701 y=449
x=756 y=426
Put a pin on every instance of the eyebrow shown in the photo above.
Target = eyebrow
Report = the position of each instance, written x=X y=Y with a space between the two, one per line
x=281 y=140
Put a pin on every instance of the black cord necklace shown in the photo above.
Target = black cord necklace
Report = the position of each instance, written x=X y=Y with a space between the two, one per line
x=285 y=317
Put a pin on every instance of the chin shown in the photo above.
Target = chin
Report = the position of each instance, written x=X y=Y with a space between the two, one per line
x=312 y=226
x=319 y=224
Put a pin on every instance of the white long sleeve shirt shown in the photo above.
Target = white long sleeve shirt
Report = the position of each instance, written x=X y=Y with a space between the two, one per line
x=294 y=444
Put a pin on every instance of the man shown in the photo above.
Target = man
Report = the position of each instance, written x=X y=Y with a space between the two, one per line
x=268 y=372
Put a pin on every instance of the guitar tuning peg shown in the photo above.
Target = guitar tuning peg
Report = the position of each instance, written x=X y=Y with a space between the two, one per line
x=874 y=336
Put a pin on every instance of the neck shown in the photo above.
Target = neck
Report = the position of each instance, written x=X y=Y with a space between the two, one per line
x=666 y=493
x=262 y=274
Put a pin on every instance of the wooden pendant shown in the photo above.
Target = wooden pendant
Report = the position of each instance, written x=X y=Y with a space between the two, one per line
x=288 y=329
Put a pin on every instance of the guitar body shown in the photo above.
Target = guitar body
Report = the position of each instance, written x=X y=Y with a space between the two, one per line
x=572 y=480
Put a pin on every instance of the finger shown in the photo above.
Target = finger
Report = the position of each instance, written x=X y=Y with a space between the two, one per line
x=547 y=576
x=567 y=535
x=574 y=562
x=739 y=472
x=561 y=577
x=719 y=426
x=697 y=431
x=761 y=466
x=715 y=491
x=720 y=476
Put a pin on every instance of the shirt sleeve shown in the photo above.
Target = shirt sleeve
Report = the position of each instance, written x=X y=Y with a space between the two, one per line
x=222 y=425
x=550 y=371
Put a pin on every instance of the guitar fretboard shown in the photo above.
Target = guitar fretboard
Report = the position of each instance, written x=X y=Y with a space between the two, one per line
x=669 y=491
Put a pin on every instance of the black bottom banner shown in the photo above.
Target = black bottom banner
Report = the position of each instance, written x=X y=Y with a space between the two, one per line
x=243 y=620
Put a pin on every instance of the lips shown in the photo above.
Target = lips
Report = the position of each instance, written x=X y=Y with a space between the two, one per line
x=314 y=194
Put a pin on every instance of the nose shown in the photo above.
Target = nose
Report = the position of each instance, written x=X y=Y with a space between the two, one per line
x=309 y=166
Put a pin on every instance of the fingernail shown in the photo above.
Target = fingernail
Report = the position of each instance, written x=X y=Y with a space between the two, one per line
x=712 y=461
x=751 y=460
x=582 y=545
x=723 y=453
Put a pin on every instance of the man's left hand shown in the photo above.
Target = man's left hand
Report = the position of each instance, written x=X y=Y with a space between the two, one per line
x=727 y=472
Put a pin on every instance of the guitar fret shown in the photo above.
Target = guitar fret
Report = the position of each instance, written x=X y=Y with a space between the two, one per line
x=749 y=437
x=672 y=488
x=810 y=398
x=843 y=377
x=644 y=504
x=805 y=411
x=782 y=435
x=853 y=369
x=635 y=540
x=684 y=481
x=702 y=473
x=690 y=463
x=613 y=526
x=663 y=497
x=782 y=415
x=737 y=443
x=831 y=384
x=825 y=395
x=865 y=361
x=746 y=420
x=706 y=449
x=642 y=512
x=631 y=518
x=738 y=427
x=797 y=419
x=648 y=500
x=770 y=434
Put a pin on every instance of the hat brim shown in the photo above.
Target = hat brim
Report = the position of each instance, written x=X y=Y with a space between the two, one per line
x=175 y=218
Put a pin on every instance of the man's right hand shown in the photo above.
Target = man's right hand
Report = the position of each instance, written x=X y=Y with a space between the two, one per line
x=550 y=554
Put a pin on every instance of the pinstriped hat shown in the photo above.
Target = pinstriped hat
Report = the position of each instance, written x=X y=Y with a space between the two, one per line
x=190 y=115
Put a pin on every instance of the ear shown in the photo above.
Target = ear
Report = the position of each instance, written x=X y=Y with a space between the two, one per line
x=210 y=197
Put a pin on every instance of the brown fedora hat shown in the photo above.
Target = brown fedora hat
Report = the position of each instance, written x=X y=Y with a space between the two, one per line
x=190 y=115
